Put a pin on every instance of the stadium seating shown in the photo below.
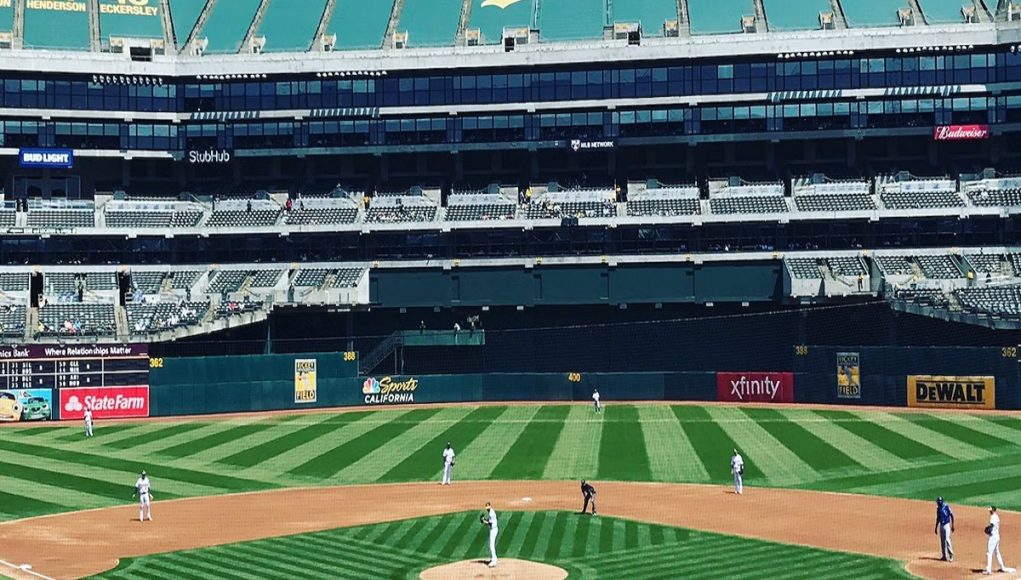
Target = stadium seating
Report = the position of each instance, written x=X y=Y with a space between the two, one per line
x=228 y=24
x=97 y=281
x=986 y=263
x=266 y=278
x=227 y=281
x=322 y=278
x=237 y=215
x=60 y=284
x=230 y=308
x=991 y=300
x=147 y=318
x=77 y=319
x=664 y=206
x=540 y=210
x=310 y=277
x=12 y=320
x=846 y=266
x=939 y=267
x=895 y=265
x=59 y=28
x=347 y=277
x=835 y=202
x=290 y=26
x=184 y=279
x=925 y=296
x=322 y=210
x=147 y=282
x=13 y=282
x=920 y=199
x=784 y=15
x=1003 y=198
x=571 y=19
x=8 y=218
x=651 y=14
x=1015 y=262
x=430 y=22
x=803 y=268
x=61 y=218
x=400 y=208
x=748 y=204
x=152 y=215
x=479 y=207
x=360 y=25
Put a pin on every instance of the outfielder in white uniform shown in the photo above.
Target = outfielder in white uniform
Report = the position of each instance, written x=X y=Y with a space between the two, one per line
x=993 y=530
x=144 y=497
x=737 y=468
x=88 y=421
x=595 y=401
x=448 y=464
x=489 y=519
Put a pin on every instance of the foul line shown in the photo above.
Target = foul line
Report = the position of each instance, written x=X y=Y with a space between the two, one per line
x=24 y=571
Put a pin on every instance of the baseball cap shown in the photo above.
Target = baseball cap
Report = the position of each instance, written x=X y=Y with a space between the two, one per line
x=939 y=499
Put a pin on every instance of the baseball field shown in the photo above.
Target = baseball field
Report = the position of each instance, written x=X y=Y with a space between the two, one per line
x=353 y=493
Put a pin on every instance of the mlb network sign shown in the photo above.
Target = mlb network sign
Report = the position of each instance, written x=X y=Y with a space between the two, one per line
x=755 y=387
x=46 y=158
x=105 y=402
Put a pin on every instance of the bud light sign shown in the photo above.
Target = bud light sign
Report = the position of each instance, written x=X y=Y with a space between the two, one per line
x=46 y=158
x=960 y=132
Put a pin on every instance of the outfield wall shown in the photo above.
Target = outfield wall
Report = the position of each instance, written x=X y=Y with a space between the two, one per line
x=978 y=377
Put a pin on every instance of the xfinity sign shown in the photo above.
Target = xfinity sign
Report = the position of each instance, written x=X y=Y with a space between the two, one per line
x=46 y=158
x=210 y=156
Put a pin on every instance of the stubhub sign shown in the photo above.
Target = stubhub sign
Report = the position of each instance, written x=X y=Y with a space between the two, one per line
x=46 y=158
x=211 y=156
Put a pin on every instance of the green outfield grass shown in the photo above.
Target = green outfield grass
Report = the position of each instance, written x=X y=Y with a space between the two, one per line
x=972 y=459
x=586 y=547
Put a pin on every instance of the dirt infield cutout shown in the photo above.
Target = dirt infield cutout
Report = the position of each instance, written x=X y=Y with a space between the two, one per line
x=89 y=542
x=506 y=569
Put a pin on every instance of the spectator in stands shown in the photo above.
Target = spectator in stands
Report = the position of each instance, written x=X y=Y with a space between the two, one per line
x=457 y=328
x=861 y=282
x=249 y=206
x=289 y=204
x=421 y=327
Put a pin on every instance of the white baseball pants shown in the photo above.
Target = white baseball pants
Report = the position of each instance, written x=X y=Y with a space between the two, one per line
x=946 y=544
x=144 y=507
x=447 y=469
x=492 y=544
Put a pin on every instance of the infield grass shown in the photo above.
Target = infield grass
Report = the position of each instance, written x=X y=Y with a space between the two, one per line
x=966 y=458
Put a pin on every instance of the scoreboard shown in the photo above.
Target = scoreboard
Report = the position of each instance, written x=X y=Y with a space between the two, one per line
x=69 y=366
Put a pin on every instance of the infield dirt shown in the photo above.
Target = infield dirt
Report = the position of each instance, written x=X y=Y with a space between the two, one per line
x=89 y=542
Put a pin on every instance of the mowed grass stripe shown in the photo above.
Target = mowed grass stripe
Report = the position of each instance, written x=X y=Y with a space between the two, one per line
x=163 y=432
x=778 y=463
x=390 y=452
x=576 y=454
x=956 y=430
x=99 y=431
x=267 y=450
x=24 y=506
x=713 y=446
x=862 y=451
x=339 y=457
x=994 y=470
x=893 y=478
x=280 y=465
x=479 y=458
x=984 y=425
x=202 y=444
x=877 y=434
x=919 y=432
x=671 y=455
x=421 y=465
x=526 y=459
x=622 y=454
x=811 y=449
x=121 y=492
x=214 y=480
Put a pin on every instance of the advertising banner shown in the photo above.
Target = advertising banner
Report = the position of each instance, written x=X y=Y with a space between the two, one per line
x=106 y=402
x=848 y=375
x=389 y=391
x=209 y=157
x=46 y=158
x=755 y=387
x=951 y=392
x=960 y=132
x=305 y=385
x=26 y=405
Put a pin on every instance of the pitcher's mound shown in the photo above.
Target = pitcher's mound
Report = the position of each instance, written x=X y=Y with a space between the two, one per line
x=506 y=569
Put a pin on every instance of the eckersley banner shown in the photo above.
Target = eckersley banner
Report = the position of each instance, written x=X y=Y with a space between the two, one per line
x=951 y=392
x=755 y=387
x=960 y=132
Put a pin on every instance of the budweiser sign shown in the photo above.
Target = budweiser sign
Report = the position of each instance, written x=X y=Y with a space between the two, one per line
x=105 y=402
x=960 y=132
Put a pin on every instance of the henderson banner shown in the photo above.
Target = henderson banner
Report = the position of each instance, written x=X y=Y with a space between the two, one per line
x=755 y=387
x=951 y=392
x=106 y=402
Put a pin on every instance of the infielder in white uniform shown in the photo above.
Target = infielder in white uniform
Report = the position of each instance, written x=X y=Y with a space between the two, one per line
x=489 y=519
x=595 y=401
x=448 y=464
x=993 y=531
x=144 y=497
x=737 y=468
x=88 y=421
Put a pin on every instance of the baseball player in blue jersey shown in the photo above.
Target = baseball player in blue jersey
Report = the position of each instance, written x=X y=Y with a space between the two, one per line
x=944 y=529
x=589 y=493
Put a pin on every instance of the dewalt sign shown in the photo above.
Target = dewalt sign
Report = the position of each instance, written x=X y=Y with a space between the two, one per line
x=951 y=392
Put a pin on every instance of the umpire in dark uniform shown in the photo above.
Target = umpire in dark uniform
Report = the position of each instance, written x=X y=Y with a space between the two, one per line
x=590 y=495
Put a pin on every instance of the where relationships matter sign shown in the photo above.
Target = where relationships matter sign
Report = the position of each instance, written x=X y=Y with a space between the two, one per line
x=960 y=132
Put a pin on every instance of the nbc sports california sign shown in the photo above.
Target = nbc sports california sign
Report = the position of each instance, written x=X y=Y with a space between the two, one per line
x=389 y=391
x=106 y=402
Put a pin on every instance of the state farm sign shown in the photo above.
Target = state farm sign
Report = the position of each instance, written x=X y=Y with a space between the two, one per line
x=960 y=132
x=755 y=387
x=106 y=402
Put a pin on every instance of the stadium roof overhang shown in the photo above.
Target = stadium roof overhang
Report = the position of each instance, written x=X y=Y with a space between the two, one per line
x=766 y=45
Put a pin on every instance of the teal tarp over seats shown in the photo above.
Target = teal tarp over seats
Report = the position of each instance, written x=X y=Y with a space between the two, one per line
x=943 y=11
x=359 y=24
x=800 y=15
x=650 y=13
x=289 y=25
x=571 y=19
x=6 y=19
x=58 y=29
x=859 y=13
x=716 y=17
x=184 y=14
x=228 y=24
x=492 y=16
x=430 y=22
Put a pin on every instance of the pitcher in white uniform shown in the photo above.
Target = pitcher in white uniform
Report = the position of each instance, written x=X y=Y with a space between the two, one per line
x=448 y=464
x=737 y=468
x=595 y=401
x=489 y=519
x=993 y=530
x=144 y=497
x=88 y=421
